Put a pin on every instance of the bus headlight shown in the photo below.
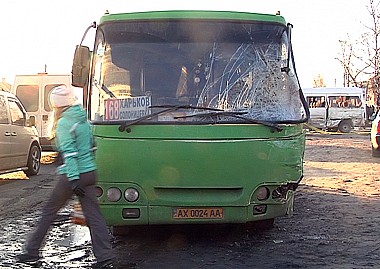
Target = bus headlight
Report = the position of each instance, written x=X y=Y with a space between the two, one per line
x=131 y=195
x=98 y=191
x=113 y=194
x=262 y=193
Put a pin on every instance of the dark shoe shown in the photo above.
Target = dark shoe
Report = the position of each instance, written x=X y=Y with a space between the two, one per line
x=107 y=264
x=27 y=258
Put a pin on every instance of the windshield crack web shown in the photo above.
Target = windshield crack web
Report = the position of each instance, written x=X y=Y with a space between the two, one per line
x=251 y=80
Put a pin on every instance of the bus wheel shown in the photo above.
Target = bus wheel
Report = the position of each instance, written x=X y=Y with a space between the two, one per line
x=345 y=126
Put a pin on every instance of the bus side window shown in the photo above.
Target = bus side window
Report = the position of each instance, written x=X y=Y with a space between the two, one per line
x=340 y=101
x=333 y=102
x=310 y=101
x=345 y=102
x=355 y=102
x=323 y=101
x=352 y=102
x=316 y=101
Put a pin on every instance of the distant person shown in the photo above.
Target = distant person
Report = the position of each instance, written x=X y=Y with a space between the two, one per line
x=370 y=110
x=78 y=176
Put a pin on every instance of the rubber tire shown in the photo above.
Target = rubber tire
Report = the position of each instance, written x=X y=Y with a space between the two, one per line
x=34 y=161
x=345 y=127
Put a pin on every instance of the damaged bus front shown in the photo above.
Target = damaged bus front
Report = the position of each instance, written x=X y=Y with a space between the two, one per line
x=198 y=116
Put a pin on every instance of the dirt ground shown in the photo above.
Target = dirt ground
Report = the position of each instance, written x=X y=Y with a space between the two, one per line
x=335 y=224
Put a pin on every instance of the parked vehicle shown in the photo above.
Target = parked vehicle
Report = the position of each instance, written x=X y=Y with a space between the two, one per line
x=19 y=142
x=339 y=109
x=198 y=116
x=34 y=91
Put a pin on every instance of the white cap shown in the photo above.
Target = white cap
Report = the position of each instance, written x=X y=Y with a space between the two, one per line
x=62 y=96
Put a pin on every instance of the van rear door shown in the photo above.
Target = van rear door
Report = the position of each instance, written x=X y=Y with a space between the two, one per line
x=27 y=89
x=49 y=82
x=34 y=92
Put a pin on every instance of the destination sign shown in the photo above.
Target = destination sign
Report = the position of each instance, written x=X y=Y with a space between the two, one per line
x=128 y=108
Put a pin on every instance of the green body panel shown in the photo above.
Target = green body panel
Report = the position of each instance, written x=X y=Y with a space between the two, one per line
x=197 y=166
x=193 y=14
x=163 y=215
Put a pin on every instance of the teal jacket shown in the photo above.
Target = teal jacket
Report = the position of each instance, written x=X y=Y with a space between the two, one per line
x=74 y=141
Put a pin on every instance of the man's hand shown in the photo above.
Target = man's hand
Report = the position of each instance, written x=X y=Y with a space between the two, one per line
x=77 y=188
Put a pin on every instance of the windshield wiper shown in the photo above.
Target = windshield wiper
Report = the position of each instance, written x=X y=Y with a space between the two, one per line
x=235 y=114
x=213 y=114
x=105 y=89
x=169 y=108
x=187 y=107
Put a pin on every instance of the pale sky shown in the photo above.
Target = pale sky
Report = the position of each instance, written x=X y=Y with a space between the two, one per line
x=39 y=32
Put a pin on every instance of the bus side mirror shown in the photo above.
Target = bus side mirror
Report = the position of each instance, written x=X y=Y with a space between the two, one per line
x=81 y=66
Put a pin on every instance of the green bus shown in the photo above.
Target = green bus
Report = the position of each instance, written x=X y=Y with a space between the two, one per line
x=198 y=116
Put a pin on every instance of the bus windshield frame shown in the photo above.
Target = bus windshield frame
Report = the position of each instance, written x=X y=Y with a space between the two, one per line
x=191 y=64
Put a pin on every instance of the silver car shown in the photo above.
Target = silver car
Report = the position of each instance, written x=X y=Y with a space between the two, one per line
x=19 y=143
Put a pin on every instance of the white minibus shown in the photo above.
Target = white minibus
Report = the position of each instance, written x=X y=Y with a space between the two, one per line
x=339 y=109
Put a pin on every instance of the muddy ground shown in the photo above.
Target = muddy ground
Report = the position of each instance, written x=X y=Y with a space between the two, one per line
x=335 y=224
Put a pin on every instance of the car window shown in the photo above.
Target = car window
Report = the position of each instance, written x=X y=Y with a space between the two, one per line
x=28 y=95
x=3 y=111
x=17 y=115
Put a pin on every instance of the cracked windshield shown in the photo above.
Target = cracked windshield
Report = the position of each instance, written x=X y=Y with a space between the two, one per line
x=143 y=67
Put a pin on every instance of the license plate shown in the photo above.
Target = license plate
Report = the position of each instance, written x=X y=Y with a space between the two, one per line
x=198 y=213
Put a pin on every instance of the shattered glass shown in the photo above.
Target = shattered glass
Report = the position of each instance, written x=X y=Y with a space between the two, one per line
x=229 y=66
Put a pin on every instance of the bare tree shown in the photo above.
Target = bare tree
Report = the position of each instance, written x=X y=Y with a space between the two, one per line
x=373 y=49
x=360 y=59
x=353 y=62
x=345 y=61
x=319 y=82
x=372 y=42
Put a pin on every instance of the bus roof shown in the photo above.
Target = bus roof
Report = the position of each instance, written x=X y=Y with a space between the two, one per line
x=332 y=91
x=193 y=14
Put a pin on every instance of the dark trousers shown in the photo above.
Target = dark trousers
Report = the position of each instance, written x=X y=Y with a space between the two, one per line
x=61 y=194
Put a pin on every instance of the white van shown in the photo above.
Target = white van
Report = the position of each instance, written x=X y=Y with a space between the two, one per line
x=34 y=91
x=336 y=108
